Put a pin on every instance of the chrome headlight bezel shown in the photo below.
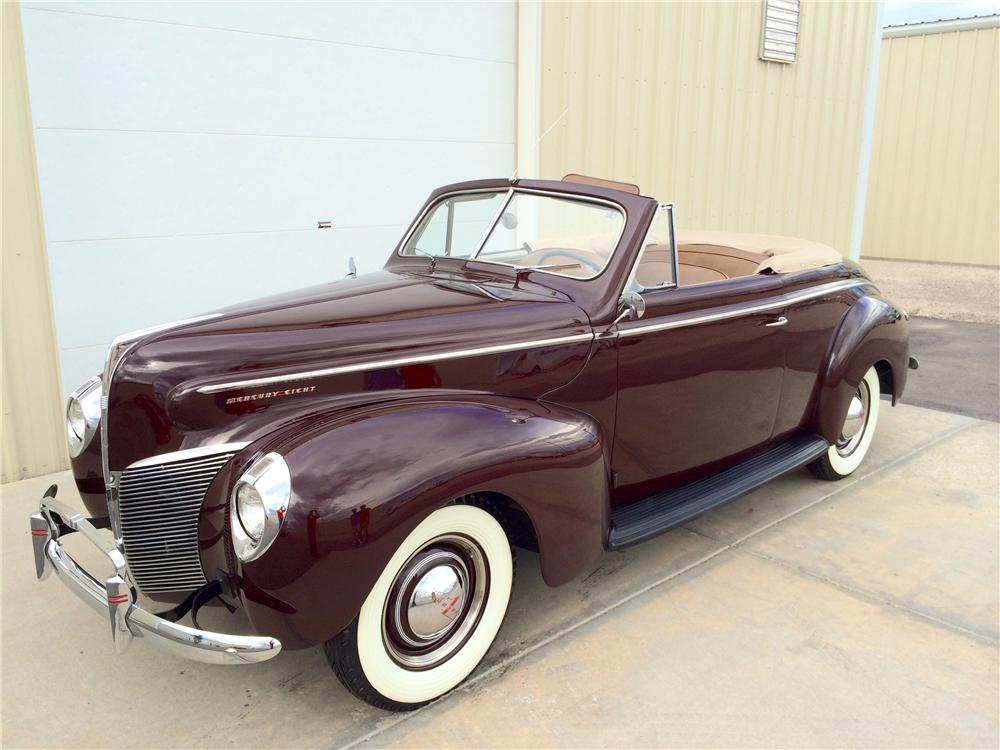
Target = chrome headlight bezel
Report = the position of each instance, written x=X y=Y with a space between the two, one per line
x=270 y=481
x=83 y=415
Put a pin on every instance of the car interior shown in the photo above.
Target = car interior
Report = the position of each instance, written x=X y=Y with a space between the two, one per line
x=702 y=256
x=698 y=263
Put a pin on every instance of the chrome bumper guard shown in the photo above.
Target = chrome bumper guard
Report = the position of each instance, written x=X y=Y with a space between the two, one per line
x=116 y=599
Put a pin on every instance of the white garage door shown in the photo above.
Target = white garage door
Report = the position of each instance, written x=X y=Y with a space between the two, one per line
x=187 y=151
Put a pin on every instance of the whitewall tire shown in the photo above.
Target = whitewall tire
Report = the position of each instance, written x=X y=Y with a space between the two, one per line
x=433 y=613
x=846 y=455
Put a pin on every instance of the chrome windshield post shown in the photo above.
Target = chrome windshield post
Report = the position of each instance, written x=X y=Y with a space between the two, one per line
x=493 y=222
x=631 y=284
x=673 y=244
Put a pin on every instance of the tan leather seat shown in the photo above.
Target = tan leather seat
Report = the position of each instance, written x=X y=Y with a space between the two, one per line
x=781 y=254
x=653 y=273
x=730 y=262
x=698 y=274
x=697 y=264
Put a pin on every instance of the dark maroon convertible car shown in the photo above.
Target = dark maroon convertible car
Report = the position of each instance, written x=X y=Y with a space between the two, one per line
x=544 y=365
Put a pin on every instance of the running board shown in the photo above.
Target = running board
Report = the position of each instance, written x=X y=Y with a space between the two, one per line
x=643 y=519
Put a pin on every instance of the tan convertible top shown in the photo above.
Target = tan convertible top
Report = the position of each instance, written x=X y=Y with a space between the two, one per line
x=782 y=254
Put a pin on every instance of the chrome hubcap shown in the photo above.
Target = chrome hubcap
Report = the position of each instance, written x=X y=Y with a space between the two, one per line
x=856 y=421
x=435 y=602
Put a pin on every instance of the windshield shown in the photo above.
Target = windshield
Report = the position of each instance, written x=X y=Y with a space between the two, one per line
x=527 y=230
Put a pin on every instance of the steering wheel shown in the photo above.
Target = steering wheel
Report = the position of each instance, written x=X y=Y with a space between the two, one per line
x=559 y=251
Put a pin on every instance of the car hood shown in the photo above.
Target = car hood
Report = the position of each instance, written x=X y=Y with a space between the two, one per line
x=234 y=375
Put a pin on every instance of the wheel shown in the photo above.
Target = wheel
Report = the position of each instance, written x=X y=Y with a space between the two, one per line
x=844 y=456
x=433 y=613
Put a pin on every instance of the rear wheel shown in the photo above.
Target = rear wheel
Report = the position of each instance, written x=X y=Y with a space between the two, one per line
x=433 y=613
x=844 y=456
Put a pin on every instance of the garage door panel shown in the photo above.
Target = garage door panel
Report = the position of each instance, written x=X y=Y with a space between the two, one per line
x=131 y=75
x=99 y=184
x=187 y=150
x=78 y=364
x=155 y=281
x=482 y=30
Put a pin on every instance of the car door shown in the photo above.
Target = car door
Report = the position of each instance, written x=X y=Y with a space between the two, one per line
x=812 y=323
x=699 y=381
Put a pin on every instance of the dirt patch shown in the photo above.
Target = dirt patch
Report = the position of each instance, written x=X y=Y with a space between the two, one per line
x=939 y=290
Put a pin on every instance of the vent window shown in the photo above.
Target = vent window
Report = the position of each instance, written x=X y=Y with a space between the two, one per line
x=779 y=39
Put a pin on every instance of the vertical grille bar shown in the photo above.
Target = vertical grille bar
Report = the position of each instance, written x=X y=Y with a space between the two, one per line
x=159 y=506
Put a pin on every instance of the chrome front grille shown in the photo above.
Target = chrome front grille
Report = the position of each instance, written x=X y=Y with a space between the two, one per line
x=159 y=506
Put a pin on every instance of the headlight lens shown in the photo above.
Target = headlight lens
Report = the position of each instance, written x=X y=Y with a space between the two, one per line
x=259 y=504
x=251 y=512
x=83 y=415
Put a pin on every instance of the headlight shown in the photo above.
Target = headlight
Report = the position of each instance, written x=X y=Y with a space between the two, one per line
x=250 y=511
x=258 y=506
x=83 y=415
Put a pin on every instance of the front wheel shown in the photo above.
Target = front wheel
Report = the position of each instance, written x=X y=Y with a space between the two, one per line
x=432 y=614
x=844 y=456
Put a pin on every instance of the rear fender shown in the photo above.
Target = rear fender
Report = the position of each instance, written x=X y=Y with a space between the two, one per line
x=362 y=482
x=872 y=330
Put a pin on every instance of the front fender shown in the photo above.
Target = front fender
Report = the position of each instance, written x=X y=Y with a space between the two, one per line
x=872 y=330
x=362 y=482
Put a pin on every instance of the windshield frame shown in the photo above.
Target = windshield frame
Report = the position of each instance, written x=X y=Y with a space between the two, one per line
x=510 y=192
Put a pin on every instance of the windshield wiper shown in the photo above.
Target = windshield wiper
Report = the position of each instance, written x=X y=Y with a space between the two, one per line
x=429 y=255
x=463 y=286
x=518 y=270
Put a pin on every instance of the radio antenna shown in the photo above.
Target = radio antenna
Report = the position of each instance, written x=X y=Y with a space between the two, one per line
x=513 y=175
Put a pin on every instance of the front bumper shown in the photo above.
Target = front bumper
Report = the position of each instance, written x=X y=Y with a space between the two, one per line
x=116 y=599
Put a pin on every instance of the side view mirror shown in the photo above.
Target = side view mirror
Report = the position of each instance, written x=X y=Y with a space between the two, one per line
x=631 y=306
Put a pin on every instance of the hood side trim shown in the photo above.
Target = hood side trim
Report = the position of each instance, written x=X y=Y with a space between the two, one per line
x=188 y=454
x=398 y=362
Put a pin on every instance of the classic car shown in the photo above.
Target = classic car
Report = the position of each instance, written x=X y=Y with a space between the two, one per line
x=545 y=365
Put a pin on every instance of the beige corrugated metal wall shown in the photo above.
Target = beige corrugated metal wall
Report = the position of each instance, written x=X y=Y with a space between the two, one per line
x=933 y=192
x=673 y=97
x=31 y=400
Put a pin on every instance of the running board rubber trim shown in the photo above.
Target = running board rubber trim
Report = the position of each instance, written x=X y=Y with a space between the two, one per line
x=644 y=519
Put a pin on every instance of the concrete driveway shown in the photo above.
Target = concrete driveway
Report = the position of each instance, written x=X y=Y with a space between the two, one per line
x=859 y=613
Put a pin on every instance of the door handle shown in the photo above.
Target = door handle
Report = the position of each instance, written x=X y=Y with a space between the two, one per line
x=777 y=323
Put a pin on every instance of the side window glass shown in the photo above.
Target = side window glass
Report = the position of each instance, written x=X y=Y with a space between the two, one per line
x=656 y=268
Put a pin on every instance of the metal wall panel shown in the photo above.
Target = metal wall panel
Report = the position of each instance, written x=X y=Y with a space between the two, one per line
x=32 y=427
x=933 y=191
x=673 y=97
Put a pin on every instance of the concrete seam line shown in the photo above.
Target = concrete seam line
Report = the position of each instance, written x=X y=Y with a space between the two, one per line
x=649 y=587
x=737 y=545
x=869 y=596
x=844 y=485
x=503 y=663
x=859 y=593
